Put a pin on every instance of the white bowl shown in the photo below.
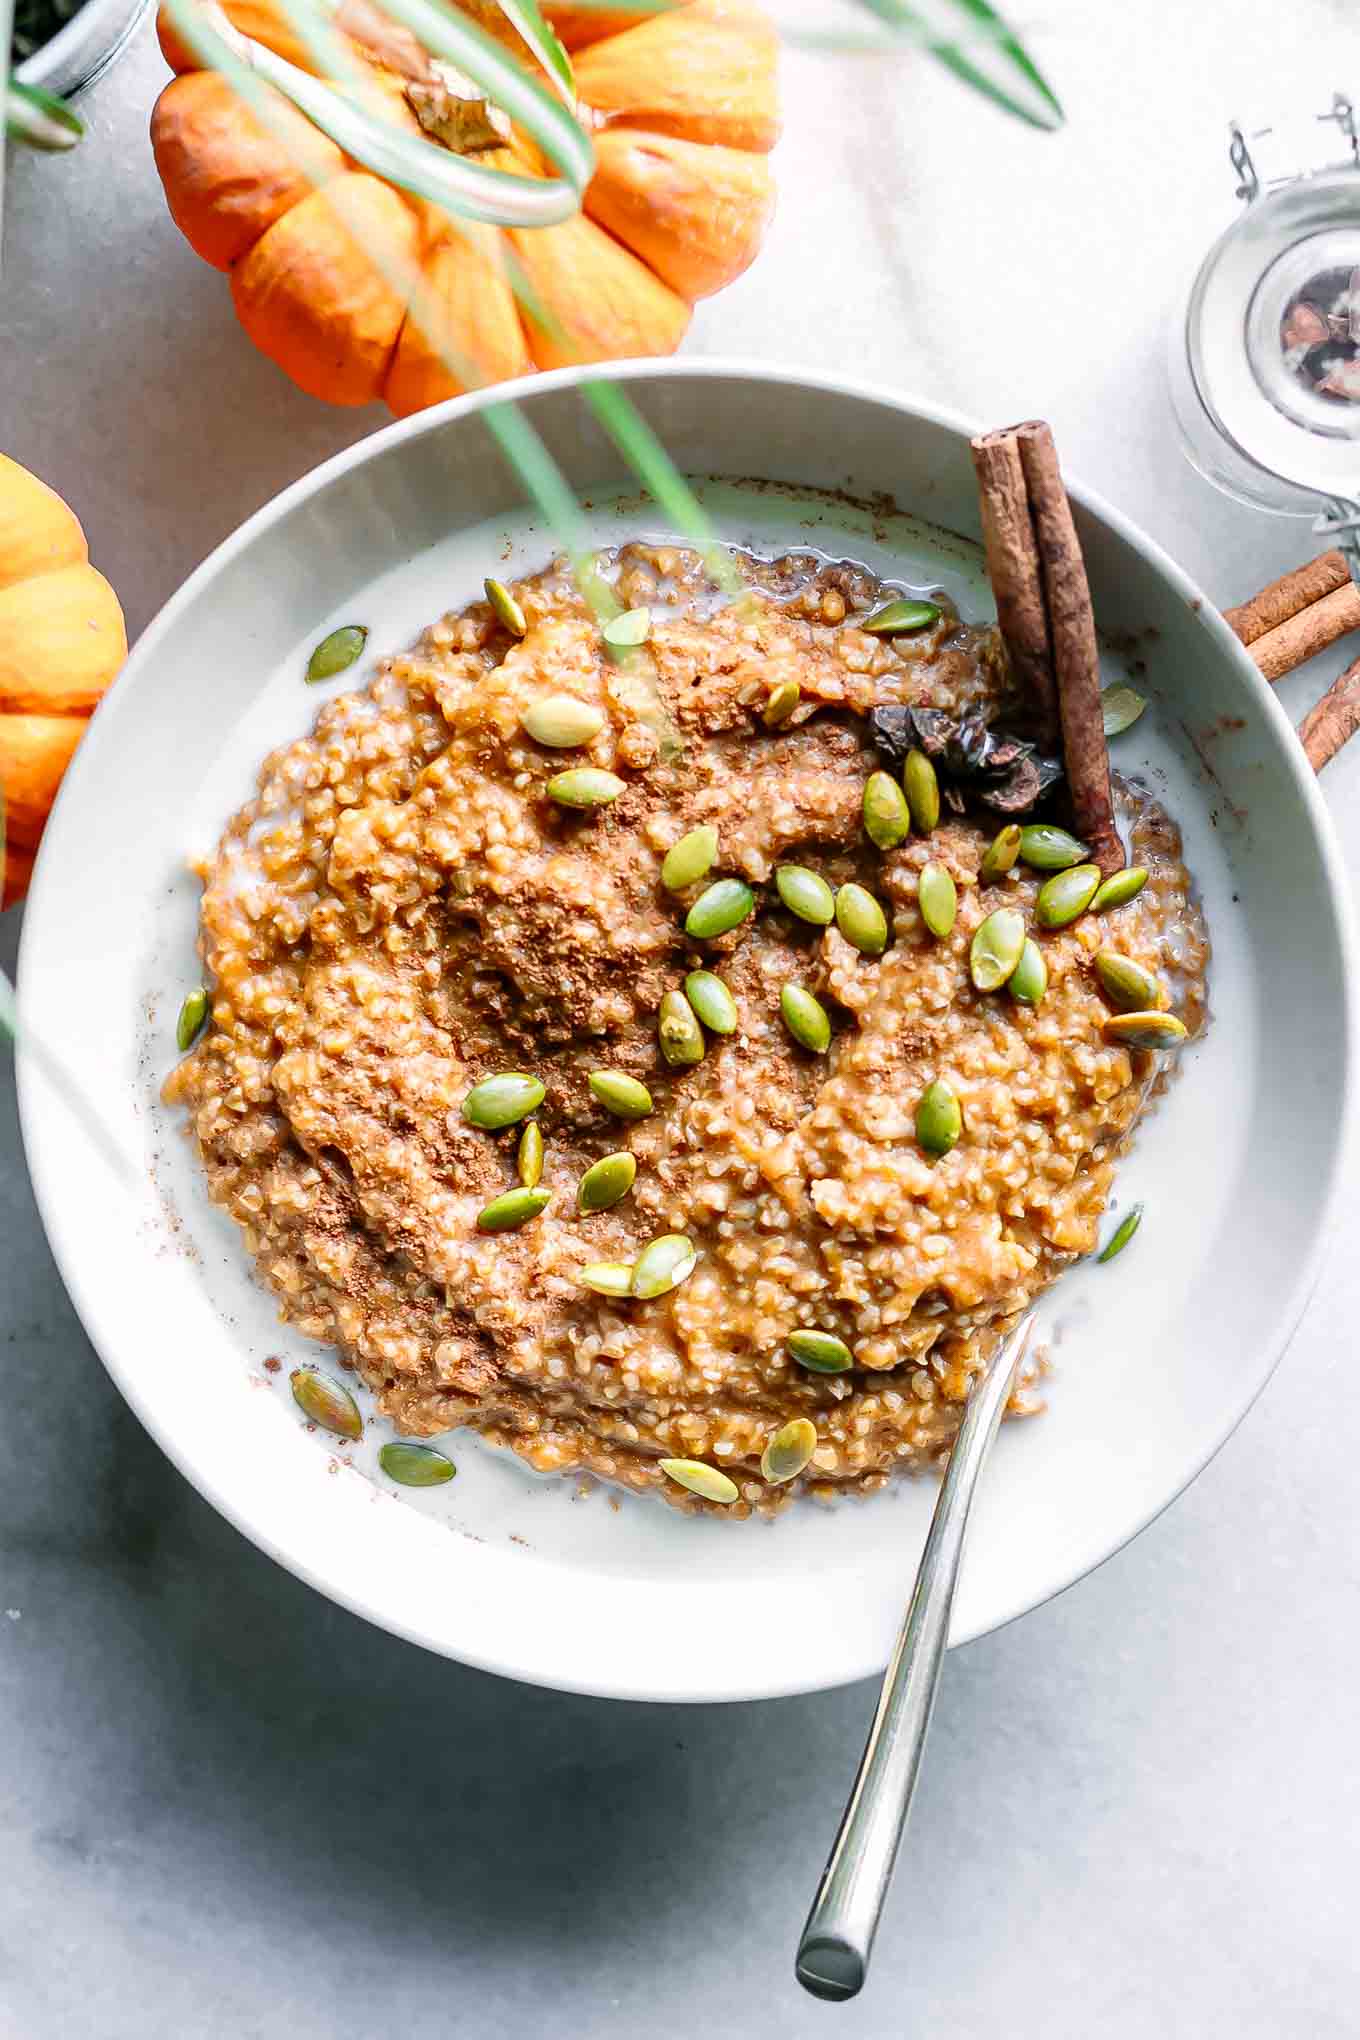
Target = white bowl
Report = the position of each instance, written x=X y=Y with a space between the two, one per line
x=1156 y=1356
x=84 y=47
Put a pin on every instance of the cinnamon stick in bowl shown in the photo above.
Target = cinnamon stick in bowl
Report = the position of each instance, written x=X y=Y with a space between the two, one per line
x=1043 y=606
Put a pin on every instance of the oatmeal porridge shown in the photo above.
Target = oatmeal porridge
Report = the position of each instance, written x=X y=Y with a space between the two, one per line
x=835 y=1169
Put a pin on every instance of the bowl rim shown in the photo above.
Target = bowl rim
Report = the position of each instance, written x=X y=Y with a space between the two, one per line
x=432 y=421
x=83 y=47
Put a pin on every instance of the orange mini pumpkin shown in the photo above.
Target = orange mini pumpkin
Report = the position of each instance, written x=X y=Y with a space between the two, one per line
x=682 y=108
x=61 y=642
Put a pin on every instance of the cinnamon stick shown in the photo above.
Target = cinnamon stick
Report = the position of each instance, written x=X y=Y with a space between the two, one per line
x=1284 y=598
x=1048 y=534
x=1309 y=630
x=1012 y=553
x=1333 y=720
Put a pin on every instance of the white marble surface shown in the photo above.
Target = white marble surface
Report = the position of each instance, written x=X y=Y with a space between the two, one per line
x=230 y=1810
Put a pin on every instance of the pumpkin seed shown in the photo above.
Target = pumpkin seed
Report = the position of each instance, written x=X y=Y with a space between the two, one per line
x=1127 y=985
x=689 y=860
x=788 y=1451
x=512 y=1209
x=507 y=609
x=1122 y=1234
x=1065 y=895
x=996 y=949
x=1119 y=888
x=634 y=627
x=562 y=722
x=1156 y=1031
x=805 y=894
x=1121 y=707
x=702 y=1480
x=336 y=652
x=712 y=1001
x=529 y=1160
x=585 y=787
x=923 y=792
x=1000 y=854
x=781 y=704
x=719 y=907
x=663 y=1265
x=678 y=1031
x=605 y=1182
x=192 y=1014
x=326 y=1402
x=861 y=920
x=608 y=1278
x=806 y=1018
x=819 y=1352
x=1028 y=982
x=906 y=612
x=624 y=1096
x=415 y=1465
x=887 y=818
x=938 y=899
x=500 y=1101
x=1048 y=849
x=939 y=1118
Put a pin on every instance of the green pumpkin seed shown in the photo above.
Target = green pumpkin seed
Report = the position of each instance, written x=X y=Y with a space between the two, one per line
x=1121 y=707
x=500 y=1101
x=663 y=1265
x=1122 y=1234
x=605 y=1182
x=415 y=1465
x=512 y=1209
x=1045 y=848
x=938 y=899
x=1028 y=982
x=624 y=1096
x=805 y=894
x=819 y=1352
x=691 y=859
x=861 y=920
x=1119 y=888
x=529 y=1160
x=585 y=787
x=887 y=818
x=336 y=652
x=702 y=1480
x=1156 y=1031
x=326 y=1402
x=781 y=704
x=608 y=1278
x=1065 y=895
x=507 y=610
x=996 y=949
x=562 y=722
x=712 y=1001
x=721 y=906
x=939 y=1118
x=192 y=1015
x=634 y=627
x=1000 y=854
x=923 y=792
x=788 y=1451
x=906 y=612
x=806 y=1018
x=678 y=1031
x=1127 y=985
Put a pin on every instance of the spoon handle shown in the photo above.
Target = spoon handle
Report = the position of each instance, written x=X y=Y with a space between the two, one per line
x=833 y=1954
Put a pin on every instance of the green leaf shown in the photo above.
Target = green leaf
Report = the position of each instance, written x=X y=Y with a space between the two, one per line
x=544 y=41
x=39 y=121
x=657 y=472
x=970 y=39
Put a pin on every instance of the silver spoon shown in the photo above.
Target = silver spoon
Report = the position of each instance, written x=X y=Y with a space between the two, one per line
x=833 y=1954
